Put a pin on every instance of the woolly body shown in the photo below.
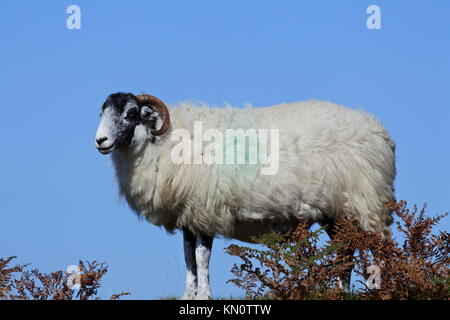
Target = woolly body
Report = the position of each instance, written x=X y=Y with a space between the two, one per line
x=334 y=162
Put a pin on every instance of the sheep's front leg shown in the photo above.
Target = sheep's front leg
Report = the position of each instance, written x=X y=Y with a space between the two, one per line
x=202 y=256
x=189 y=241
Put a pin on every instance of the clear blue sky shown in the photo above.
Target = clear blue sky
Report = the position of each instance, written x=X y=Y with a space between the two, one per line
x=58 y=197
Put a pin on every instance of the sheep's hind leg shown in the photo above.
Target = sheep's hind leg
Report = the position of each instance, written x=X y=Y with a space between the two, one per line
x=189 y=241
x=202 y=256
x=345 y=255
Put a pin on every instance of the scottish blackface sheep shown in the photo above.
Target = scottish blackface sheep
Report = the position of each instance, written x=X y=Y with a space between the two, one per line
x=318 y=161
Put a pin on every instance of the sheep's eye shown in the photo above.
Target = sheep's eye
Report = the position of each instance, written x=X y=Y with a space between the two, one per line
x=131 y=115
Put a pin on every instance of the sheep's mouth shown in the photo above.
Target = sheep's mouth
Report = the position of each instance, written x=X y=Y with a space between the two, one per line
x=107 y=150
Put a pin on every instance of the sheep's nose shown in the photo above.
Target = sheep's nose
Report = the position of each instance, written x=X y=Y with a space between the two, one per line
x=101 y=140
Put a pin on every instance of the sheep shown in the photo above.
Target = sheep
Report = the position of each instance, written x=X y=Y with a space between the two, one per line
x=333 y=162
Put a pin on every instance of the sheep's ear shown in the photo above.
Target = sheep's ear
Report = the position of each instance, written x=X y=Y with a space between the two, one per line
x=149 y=114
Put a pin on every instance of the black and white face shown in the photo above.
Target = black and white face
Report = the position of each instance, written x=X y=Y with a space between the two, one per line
x=124 y=122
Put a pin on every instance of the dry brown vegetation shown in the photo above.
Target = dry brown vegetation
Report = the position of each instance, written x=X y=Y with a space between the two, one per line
x=19 y=283
x=295 y=266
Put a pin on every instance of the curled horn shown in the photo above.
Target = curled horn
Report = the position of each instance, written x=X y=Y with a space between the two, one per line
x=148 y=100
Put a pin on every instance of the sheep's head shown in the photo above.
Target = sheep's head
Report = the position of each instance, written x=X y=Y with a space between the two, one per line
x=127 y=119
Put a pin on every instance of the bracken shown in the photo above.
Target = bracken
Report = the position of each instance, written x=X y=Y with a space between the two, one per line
x=18 y=283
x=295 y=266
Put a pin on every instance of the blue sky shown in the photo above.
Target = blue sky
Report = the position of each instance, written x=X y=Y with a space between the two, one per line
x=58 y=197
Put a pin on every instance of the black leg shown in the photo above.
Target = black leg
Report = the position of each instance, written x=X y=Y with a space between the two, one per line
x=189 y=241
x=344 y=254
